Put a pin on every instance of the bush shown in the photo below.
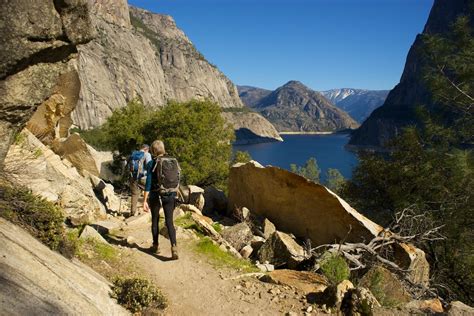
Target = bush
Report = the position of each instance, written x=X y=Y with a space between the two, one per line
x=198 y=136
x=335 y=180
x=241 y=157
x=334 y=268
x=310 y=170
x=95 y=137
x=41 y=218
x=135 y=294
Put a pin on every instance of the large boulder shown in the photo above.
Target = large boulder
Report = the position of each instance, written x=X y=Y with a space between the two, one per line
x=297 y=205
x=281 y=249
x=238 y=235
x=310 y=210
x=39 y=281
x=38 y=62
x=30 y=163
x=105 y=192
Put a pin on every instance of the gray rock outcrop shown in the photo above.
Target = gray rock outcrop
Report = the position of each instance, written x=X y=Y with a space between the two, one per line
x=37 y=51
x=32 y=164
x=38 y=281
x=141 y=54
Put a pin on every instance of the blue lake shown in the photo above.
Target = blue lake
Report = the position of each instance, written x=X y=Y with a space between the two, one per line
x=327 y=149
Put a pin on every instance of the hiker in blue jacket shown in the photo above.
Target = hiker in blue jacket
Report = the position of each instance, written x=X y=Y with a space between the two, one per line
x=161 y=192
x=137 y=163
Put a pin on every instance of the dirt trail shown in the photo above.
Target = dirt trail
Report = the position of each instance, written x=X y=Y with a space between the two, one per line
x=194 y=287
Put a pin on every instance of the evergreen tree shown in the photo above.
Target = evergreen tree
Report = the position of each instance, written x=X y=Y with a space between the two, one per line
x=310 y=170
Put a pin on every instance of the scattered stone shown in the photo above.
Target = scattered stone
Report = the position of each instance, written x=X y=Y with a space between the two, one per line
x=246 y=251
x=257 y=242
x=309 y=309
x=139 y=220
x=207 y=229
x=427 y=306
x=356 y=301
x=193 y=195
x=190 y=208
x=304 y=281
x=90 y=233
x=291 y=314
x=280 y=250
x=266 y=267
x=131 y=241
x=108 y=225
x=458 y=308
x=215 y=201
x=268 y=228
x=105 y=193
x=245 y=213
x=238 y=235
x=386 y=283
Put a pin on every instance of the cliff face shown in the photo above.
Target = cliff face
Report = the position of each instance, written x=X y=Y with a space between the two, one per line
x=141 y=54
x=37 y=57
x=295 y=108
x=398 y=110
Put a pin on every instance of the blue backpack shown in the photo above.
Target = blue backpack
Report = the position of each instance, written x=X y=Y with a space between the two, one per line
x=137 y=164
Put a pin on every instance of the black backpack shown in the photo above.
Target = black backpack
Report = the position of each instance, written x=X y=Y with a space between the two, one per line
x=168 y=174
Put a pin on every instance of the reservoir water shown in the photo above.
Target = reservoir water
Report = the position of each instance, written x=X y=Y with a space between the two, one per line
x=328 y=150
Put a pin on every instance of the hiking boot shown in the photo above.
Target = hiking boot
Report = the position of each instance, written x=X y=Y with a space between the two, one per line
x=155 y=249
x=174 y=252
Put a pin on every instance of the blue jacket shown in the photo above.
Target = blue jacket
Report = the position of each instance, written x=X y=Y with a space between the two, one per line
x=151 y=177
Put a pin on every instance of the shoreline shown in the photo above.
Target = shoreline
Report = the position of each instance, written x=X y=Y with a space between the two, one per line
x=306 y=133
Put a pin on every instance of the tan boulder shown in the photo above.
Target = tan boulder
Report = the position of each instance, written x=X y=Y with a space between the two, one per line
x=32 y=164
x=310 y=210
x=193 y=195
x=90 y=233
x=297 y=205
x=305 y=281
x=246 y=251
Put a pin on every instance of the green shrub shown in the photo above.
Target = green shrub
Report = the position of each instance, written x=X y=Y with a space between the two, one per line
x=334 y=268
x=40 y=218
x=241 y=157
x=136 y=294
x=310 y=170
x=198 y=136
x=334 y=180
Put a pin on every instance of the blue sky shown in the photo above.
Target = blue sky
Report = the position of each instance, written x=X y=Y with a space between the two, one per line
x=323 y=43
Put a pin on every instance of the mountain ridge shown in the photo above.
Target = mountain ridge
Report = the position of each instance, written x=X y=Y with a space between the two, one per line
x=294 y=107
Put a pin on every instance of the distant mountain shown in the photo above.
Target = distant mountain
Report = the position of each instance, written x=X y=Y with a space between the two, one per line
x=252 y=95
x=399 y=109
x=358 y=103
x=294 y=107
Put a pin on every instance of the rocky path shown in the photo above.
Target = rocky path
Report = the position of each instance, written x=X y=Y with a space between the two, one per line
x=194 y=287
